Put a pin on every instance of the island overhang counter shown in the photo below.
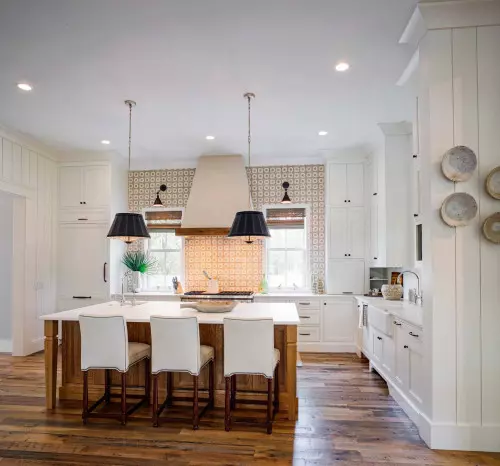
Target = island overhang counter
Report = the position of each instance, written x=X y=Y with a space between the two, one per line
x=284 y=315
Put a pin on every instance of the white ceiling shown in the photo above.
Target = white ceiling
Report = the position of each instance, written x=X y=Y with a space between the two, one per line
x=187 y=63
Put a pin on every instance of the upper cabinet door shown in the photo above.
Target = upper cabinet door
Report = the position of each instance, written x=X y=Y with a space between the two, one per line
x=356 y=233
x=70 y=186
x=337 y=184
x=96 y=186
x=338 y=247
x=355 y=184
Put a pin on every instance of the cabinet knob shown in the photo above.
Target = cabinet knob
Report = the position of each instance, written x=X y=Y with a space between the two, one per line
x=414 y=156
x=415 y=215
x=349 y=255
x=374 y=194
x=349 y=200
x=345 y=255
x=345 y=200
x=405 y=346
x=379 y=338
x=413 y=334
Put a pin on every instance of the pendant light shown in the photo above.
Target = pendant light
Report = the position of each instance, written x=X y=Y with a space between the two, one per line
x=157 y=202
x=129 y=227
x=286 y=198
x=249 y=223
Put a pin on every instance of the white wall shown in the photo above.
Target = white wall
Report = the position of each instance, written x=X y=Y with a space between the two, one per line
x=6 y=230
x=459 y=100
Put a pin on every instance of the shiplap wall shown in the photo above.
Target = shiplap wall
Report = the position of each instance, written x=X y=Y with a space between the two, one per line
x=459 y=99
x=32 y=178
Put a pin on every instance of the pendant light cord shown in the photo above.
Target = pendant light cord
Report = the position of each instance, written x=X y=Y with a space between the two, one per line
x=130 y=104
x=249 y=96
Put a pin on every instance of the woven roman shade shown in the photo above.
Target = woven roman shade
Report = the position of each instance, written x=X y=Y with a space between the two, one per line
x=163 y=219
x=286 y=218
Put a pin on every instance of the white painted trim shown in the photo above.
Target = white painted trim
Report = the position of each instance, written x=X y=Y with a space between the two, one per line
x=318 y=347
x=400 y=128
x=5 y=345
x=84 y=164
x=459 y=437
x=414 y=30
x=28 y=143
x=410 y=69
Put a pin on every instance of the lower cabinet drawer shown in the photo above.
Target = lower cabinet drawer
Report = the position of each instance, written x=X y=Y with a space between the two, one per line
x=308 y=333
x=309 y=317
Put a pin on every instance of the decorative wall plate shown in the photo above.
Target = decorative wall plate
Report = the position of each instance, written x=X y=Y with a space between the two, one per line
x=459 y=163
x=493 y=183
x=491 y=228
x=458 y=209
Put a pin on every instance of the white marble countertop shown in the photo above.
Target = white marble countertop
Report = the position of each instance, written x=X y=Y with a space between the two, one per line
x=281 y=313
x=404 y=310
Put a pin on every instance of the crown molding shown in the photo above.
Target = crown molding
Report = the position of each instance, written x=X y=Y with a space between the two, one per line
x=410 y=69
x=29 y=143
x=447 y=14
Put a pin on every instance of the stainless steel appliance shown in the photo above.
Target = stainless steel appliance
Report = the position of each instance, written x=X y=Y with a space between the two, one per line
x=239 y=296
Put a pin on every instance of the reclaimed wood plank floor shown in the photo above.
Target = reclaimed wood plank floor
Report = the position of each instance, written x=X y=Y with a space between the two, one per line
x=346 y=418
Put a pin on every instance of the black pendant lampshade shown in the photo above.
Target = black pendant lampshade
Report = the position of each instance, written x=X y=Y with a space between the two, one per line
x=249 y=223
x=157 y=202
x=128 y=228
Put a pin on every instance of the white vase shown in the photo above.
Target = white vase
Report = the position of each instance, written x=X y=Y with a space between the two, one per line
x=136 y=281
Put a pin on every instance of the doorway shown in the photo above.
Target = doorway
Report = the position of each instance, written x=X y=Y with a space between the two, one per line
x=6 y=276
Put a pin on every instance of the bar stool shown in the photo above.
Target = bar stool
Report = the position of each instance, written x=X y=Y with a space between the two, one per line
x=105 y=345
x=249 y=349
x=176 y=348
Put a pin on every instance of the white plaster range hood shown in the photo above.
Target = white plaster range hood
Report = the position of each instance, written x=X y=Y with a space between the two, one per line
x=220 y=189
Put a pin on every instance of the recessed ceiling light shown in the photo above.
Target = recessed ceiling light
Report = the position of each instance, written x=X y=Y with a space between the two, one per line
x=105 y=142
x=25 y=87
x=322 y=133
x=342 y=66
x=210 y=138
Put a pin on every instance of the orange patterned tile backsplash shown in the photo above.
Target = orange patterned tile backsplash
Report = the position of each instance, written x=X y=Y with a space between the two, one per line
x=236 y=264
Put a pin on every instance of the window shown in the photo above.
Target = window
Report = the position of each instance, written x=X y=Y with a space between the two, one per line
x=165 y=247
x=287 y=264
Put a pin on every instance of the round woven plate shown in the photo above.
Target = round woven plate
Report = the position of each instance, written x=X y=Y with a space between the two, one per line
x=493 y=183
x=459 y=163
x=458 y=209
x=491 y=228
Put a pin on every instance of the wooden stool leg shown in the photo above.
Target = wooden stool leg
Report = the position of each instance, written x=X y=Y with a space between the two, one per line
x=170 y=388
x=227 y=416
x=211 y=383
x=196 y=417
x=277 y=389
x=233 y=392
x=85 y=406
x=107 y=385
x=147 y=375
x=156 y=421
x=269 y=406
x=124 y=398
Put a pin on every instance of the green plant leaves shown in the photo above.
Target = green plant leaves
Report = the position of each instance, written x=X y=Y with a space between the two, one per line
x=139 y=261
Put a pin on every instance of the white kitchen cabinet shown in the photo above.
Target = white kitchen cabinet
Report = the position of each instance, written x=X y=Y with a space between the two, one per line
x=345 y=184
x=346 y=233
x=345 y=276
x=84 y=186
x=338 y=321
x=83 y=260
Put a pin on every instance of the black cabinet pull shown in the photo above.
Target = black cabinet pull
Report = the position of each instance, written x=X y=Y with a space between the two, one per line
x=82 y=297
x=379 y=338
x=104 y=272
x=397 y=323
x=305 y=334
x=346 y=292
x=304 y=304
x=414 y=156
x=405 y=346
x=375 y=258
x=415 y=215
x=305 y=317
x=413 y=334
x=374 y=194
x=82 y=219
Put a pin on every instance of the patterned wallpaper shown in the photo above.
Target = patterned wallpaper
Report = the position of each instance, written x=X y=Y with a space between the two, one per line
x=237 y=265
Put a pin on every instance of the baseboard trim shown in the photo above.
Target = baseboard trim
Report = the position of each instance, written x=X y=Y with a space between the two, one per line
x=5 y=345
x=471 y=437
x=317 y=347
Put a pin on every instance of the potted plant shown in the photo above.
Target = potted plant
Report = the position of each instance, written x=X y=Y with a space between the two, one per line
x=139 y=263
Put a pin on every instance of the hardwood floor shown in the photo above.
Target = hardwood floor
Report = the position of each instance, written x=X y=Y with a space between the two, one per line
x=346 y=417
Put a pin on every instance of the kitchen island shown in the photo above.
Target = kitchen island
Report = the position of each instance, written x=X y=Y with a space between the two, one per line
x=284 y=315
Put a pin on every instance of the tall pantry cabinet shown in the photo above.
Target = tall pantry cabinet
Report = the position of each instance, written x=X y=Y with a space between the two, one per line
x=88 y=262
x=346 y=230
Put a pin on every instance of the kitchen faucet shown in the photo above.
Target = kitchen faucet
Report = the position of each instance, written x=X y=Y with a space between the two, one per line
x=417 y=297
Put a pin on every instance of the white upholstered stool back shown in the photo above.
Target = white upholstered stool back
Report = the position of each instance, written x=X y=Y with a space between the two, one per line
x=249 y=347
x=104 y=341
x=175 y=345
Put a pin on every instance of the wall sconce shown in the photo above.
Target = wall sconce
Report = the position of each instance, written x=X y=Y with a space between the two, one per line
x=286 y=197
x=157 y=202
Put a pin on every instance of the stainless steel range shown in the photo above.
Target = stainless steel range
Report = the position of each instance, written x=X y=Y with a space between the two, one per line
x=239 y=296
